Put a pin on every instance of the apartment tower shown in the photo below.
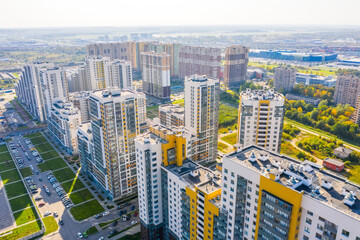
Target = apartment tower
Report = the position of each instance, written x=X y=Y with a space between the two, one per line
x=284 y=79
x=236 y=60
x=261 y=118
x=117 y=118
x=201 y=115
x=156 y=74
x=118 y=73
x=347 y=90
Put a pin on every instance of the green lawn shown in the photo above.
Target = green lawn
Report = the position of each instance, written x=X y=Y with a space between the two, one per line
x=15 y=189
x=48 y=155
x=45 y=147
x=4 y=157
x=354 y=174
x=152 y=112
x=3 y=148
x=86 y=210
x=136 y=236
x=81 y=196
x=26 y=172
x=7 y=165
x=64 y=174
x=92 y=230
x=72 y=185
x=23 y=231
x=20 y=203
x=25 y=216
x=38 y=140
x=230 y=138
x=52 y=164
x=50 y=225
x=33 y=135
x=10 y=176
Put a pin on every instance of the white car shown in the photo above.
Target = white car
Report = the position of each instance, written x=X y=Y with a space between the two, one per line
x=80 y=235
x=133 y=222
x=47 y=213
x=102 y=238
x=106 y=213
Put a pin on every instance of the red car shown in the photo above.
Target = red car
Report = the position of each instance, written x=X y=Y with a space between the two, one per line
x=135 y=214
x=41 y=204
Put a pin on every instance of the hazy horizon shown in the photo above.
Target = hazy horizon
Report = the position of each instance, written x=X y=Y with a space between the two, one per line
x=161 y=13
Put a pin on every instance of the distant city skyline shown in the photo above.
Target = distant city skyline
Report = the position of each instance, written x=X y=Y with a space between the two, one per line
x=81 y=13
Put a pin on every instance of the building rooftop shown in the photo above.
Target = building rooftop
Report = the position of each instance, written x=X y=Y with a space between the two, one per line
x=309 y=178
x=114 y=92
x=334 y=162
x=174 y=108
x=261 y=95
x=64 y=108
x=196 y=175
x=343 y=149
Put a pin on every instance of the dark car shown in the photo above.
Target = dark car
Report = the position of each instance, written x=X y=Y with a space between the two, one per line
x=98 y=216
x=115 y=223
x=61 y=222
x=132 y=208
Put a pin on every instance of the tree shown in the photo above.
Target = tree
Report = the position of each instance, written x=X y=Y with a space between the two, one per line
x=330 y=120
x=315 y=114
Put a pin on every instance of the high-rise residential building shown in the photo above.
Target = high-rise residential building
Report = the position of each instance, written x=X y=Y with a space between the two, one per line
x=236 y=60
x=284 y=78
x=117 y=50
x=156 y=74
x=63 y=122
x=271 y=196
x=84 y=81
x=259 y=194
x=54 y=87
x=202 y=115
x=171 y=115
x=347 y=89
x=199 y=60
x=118 y=73
x=28 y=89
x=357 y=111
x=81 y=102
x=72 y=76
x=261 y=118
x=117 y=117
x=95 y=67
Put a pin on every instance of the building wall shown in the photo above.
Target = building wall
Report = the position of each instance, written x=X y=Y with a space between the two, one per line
x=236 y=60
x=284 y=79
x=347 y=90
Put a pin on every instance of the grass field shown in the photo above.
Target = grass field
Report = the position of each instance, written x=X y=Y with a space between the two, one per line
x=26 y=172
x=48 y=155
x=230 y=138
x=3 y=148
x=33 y=135
x=222 y=147
x=52 y=164
x=136 y=236
x=25 y=216
x=72 y=185
x=45 y=147
x=64 y=174
x=86 y=210
x=20 y=203
x=354 y=174
x=152 y=112
x=38 y=140
x=10 y=176
x=4 y=157
x=23 y=231
x=15 y=189
x=7 y=166
x=81 y=196
x=50 y=225
x=91 y=230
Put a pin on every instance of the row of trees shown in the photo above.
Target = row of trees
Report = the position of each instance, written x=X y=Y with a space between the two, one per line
x=331 y=119
x=316 y=91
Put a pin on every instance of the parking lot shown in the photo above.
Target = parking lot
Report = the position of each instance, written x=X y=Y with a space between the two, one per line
x=50 y=180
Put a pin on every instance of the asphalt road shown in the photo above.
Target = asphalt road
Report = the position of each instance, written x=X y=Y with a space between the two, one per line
x=53 y=203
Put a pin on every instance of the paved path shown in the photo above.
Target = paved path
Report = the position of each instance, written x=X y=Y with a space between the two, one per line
x=318 y=160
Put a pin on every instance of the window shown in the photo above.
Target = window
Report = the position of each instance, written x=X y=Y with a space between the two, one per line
x=318 y=236
x=307 y=229
x=308 y=220
x=345 y=233
x=305 y=237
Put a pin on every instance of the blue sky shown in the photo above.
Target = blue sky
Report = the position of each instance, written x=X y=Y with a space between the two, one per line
x=67 y=13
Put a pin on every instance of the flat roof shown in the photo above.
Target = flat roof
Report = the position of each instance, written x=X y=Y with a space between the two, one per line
x=285 y=168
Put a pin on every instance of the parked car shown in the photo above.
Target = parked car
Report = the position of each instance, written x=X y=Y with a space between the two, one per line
x=80 y=235
x=41 y=204
x=55 y=214
x=98 y=216
x=40 y=179
x=47 y=213
x=115 y=223
x=133 y=222
x=61 y=222
x=106 y=213
x=132 y=208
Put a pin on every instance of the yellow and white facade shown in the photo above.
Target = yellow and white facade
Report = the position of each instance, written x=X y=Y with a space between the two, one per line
x=261 y=117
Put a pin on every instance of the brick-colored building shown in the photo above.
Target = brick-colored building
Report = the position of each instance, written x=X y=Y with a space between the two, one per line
x=333 y=164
